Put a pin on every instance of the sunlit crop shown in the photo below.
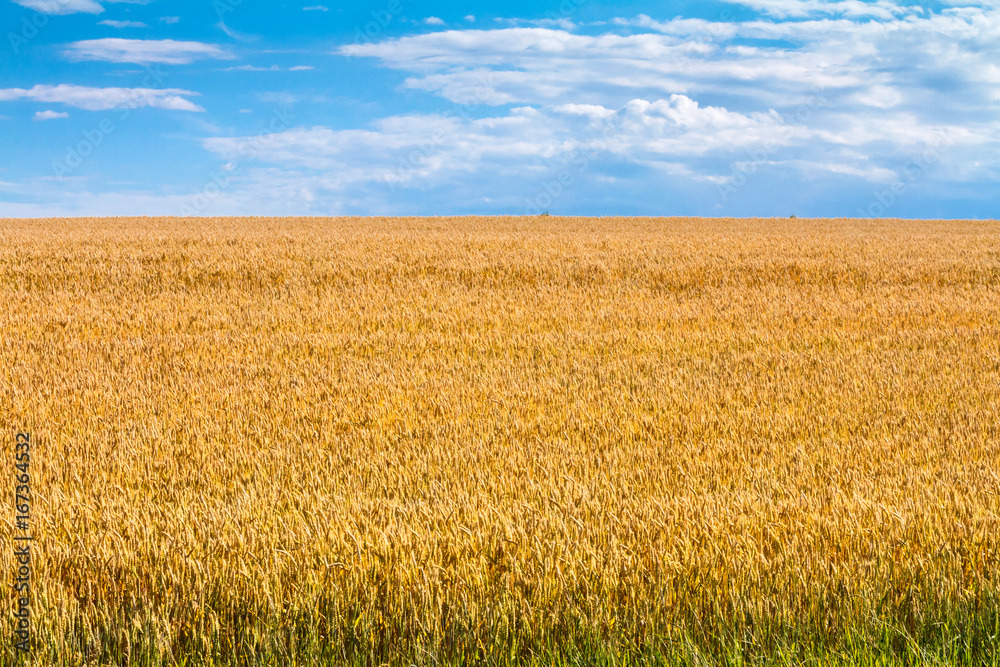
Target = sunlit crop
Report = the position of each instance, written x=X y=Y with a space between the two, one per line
x=506 y=440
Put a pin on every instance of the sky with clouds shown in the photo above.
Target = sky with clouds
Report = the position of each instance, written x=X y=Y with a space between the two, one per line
x=573 y=107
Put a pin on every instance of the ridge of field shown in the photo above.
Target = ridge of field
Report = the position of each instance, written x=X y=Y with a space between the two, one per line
x=530 y=440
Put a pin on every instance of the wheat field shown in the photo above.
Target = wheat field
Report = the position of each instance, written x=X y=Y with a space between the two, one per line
x=505 y=441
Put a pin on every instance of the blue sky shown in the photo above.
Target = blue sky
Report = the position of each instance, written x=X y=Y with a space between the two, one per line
x=575 y=107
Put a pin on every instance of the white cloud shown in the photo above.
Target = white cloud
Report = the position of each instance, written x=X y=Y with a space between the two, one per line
x=272 y=68
x=560 y=23
x=102 y=99
x=287 y=194
x=50 y=115
x=252 y=68
x=62 y=6
x=677 y=127
x=689 y=104
x=433 y=20
x=508 y=157
x=143 y=51
x=316 y=8
x=170 y=20
x=880 y=9
x=123 y=24
x=850 y=94
x=470 y=18
x=915 y=72
x=533 y=65
x=868 y=173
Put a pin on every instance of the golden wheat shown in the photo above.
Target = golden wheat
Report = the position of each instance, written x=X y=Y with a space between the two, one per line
x=505 y=439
